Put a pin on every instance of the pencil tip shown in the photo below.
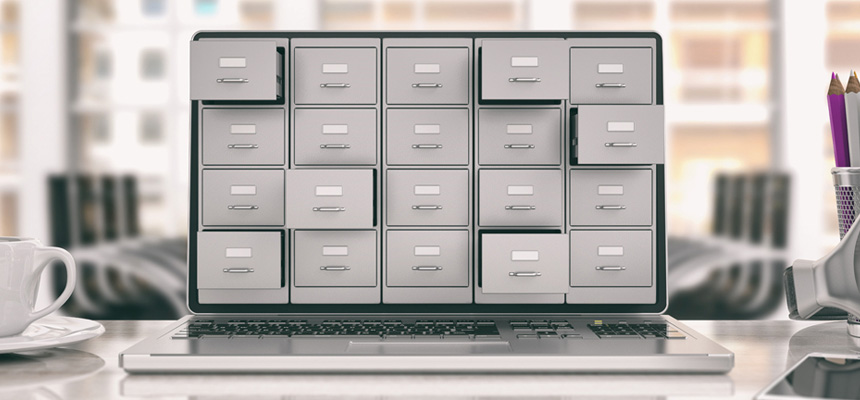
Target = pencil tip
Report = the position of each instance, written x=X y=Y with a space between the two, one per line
x=832 y=75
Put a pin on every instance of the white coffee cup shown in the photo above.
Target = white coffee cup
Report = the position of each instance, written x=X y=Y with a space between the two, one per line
x=22 y=261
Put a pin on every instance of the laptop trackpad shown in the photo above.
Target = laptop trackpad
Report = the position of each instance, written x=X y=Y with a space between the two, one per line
x=428 y=348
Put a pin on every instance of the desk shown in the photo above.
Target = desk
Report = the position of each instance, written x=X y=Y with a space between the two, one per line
x=89 y=371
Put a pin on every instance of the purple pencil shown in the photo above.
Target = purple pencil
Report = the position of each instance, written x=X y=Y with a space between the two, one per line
x=838 y=126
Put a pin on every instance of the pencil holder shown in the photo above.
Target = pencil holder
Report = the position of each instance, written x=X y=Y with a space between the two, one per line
x=846 y=182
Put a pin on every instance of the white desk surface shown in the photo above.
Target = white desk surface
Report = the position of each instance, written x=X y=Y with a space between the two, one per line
x=89 y=370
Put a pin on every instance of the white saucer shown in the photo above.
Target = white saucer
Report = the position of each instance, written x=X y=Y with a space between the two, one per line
x=51 y=331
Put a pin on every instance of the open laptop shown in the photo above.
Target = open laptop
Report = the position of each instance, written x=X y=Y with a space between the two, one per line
x=427 y=201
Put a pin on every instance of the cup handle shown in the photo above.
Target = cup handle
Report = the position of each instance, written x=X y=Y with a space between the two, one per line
x=44 y=255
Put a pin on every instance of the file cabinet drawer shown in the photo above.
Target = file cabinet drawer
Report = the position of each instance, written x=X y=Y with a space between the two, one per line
x=330 y=198
x=335 y=137
x=520 y=198
x=524 y=70
x=610 y=258
x=524 y=263
x=620 y=135
x=335 y=258
x=610 y=197
x=610 y=76
x=243 y=197
x=243 y=136
x=428 y=76
x=236 y=70
x=428 y=197
x=519 y=136
x=428 y=258
x=239 y=260
x=428 y=137
x=335 y=75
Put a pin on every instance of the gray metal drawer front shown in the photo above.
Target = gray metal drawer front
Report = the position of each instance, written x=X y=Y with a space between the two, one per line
x=428 y=197
x=243 y=136
x=335 y=258
x=335 y=137
x=428 y=76
x=524 y=70
x=520 y=197
x=335 y=75
x=519 y=136
x=524 y=263
x=330 y=198
x=610 y=258
x=428 y=258
x=610 y=197
x=428 y=136
x=243 y=197
x=239 y=260
x=235 y=70
x=620 y=135
x=610 y=76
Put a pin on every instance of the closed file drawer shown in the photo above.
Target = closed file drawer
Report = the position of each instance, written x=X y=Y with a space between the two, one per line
x=335 y=258
x=335 y=75
x=335 y=137
x=428 y=76
x=428 y=258
x=236 y=70
x=520 y=198
x=610 y=76
x=610 y=197
x=620 y=135
x=330 y=198
x=428 y=197
x=524 y=70
x=519 y=136
x=428 y=136
x=610 y=258
x=243 y=136
x=239 y=260
x=243 y=197
x=524 y=263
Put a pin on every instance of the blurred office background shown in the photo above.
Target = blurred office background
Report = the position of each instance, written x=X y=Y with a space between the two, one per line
x=94 y=117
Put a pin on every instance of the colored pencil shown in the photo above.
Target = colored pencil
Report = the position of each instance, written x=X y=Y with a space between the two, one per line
x=838 y=129
x=852 y=118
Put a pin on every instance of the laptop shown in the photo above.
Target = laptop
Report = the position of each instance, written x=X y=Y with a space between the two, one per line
x=427 y=202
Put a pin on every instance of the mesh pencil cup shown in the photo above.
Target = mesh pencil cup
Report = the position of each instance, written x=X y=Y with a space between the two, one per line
x=846 y=182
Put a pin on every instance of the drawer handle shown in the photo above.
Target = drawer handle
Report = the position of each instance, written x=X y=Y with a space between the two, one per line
x=238 y=270
x=520 y=208
x=239 y=207
x=426 y=146
x=427 y=207
x=426 y=85
x=526 y=80
x=334 y=268
x=232 y=80
x=334 y=146
x=620 y=144
x=334 y=85
x=329 y=209
x=426 y=268
x=612 y=207
x=519 y=146
x=523 y=274
x=610 y=268
x=242 y=146
x=610 y=85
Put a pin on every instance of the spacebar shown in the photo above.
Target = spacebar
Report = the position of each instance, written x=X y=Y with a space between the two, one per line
x=338 y=336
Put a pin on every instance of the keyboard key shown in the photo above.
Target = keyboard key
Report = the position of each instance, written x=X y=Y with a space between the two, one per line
x=527 y=336
x=571 y=336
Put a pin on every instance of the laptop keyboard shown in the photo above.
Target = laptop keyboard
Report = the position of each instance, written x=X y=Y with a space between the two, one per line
x=636 y=331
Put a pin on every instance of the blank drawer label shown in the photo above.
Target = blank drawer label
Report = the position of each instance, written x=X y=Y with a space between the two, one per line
x=335 y=250
x=427 y=190
x=339 y=129
x=329 y=190
x=610 y=68
x=610 y=190
x=610 y=250
x=620 y=126
x=243 y=190
x=427 y=129
x=243 y=129
x=238 y=252
x=428 y=250
x=520 y=129
x=335 y=68
x=521 y=190
x=525 y=255
x=232 y=62
x=524 y=61
x=427 y=68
